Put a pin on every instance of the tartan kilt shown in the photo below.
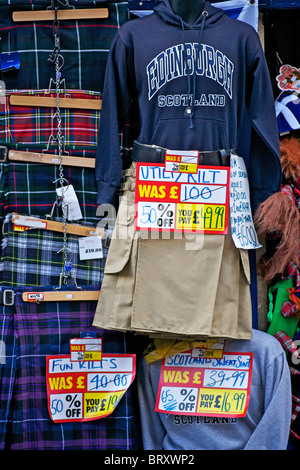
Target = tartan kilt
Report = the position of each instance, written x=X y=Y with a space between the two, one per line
x=38 y=125
x=33 y=258
x=30 y=189
x=84 y=45
x=8 y=364
x=33 y=331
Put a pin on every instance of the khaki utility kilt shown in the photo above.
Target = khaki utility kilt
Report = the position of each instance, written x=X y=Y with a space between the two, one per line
x=194 y=286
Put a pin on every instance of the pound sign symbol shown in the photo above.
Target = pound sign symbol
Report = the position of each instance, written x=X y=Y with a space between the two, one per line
x=197 y=378
x=102 y=406
x=217 y=402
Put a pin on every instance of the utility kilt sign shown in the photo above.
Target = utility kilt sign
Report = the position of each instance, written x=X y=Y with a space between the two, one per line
x=192 y=198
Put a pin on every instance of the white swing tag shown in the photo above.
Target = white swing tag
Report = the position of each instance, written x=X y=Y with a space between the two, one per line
x=242 y=226
x=90 y=248
x=71 y=201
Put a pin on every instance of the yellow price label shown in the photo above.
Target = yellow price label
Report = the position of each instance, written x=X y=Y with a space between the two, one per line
x=222 y=401
x=100 y=404
x=201 y=217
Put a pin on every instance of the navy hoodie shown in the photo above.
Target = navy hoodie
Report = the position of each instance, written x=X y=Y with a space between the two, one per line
x=194 y=87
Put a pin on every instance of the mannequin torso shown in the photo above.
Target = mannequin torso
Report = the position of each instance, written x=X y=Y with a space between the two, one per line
x=188 y=10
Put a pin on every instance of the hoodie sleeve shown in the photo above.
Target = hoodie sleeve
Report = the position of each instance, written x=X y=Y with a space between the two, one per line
x=152 y=428
x=264 y=165
x=116 y=104
x=278 y=409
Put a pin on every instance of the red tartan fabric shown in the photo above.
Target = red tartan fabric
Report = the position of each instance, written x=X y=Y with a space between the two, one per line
x=38 y=125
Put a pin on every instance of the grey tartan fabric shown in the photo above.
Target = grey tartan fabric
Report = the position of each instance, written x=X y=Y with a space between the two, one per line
x=84 y=45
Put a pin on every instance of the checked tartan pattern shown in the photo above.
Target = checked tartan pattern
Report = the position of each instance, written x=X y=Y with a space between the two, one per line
x=31 y=189
x=293 y=358
x=36 y=330
x=84 y=45
x=33 y=258
x=38 y=125
x=8 y=360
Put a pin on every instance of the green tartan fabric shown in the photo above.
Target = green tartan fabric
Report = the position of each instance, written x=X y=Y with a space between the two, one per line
x=34 y=258
x=38 y=125
x=31 y=190
x=84 y=45
x=21 y=183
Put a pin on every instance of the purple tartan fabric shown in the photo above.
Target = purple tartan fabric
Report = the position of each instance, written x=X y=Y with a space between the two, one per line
x=8 y=360
x=38 y=330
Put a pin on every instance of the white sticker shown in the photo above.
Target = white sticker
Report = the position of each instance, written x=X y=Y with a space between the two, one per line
x=71 y=201
x=242 y=226
x=90 y=248
x=27 y=222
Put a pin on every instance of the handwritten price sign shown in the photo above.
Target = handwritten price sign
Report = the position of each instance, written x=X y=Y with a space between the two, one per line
x=205 y=386
x=242 y=226
x=182 y=201
x=87 y=390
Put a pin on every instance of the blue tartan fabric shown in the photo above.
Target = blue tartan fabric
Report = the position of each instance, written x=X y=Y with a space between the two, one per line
x=34 y=258
x=33 y=331
x=84 y=45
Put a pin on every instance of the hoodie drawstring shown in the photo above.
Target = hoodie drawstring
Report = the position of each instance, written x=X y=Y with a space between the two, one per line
x=189 y=110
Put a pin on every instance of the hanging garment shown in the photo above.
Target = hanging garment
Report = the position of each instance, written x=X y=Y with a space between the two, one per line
x=33 y=331
x=34 y=257
x=192 y=88
x=8 y=364
x=144 y=290
x=24 y=181
x=34 y=124
x=84 y=45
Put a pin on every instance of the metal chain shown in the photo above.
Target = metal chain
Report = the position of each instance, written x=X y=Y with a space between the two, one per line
x=59 y=137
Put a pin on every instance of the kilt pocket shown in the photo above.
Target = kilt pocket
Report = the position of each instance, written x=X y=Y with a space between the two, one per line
x=246 y=264
x=122 y=237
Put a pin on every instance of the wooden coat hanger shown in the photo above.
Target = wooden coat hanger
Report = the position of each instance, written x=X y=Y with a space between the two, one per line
x=46 y=224
x=35 y=157
x=51 y=102
x=68 y=14
x=57 y=295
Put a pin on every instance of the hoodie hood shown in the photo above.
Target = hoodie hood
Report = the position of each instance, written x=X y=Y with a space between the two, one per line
x=166 y=14
x=208 y=16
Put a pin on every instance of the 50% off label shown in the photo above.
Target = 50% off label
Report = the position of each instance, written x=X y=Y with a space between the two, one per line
x=66 y=406
x=155 y=215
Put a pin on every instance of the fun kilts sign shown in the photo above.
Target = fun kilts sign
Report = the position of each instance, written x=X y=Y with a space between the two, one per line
x=196 y=201
x=87 y=390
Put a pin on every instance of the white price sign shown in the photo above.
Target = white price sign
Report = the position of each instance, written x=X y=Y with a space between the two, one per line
x=242 y=226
